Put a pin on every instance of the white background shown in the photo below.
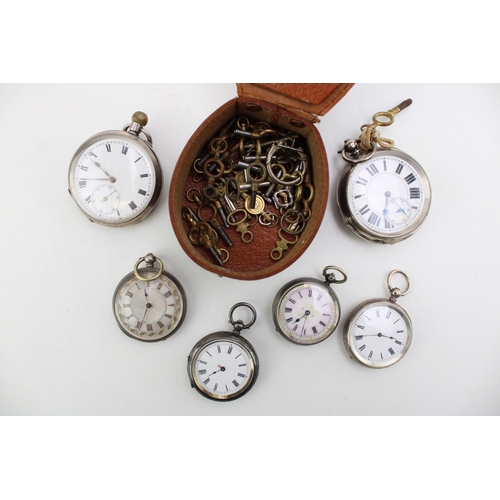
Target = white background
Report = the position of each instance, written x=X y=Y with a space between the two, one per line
x=61 y=352
x=225 y=41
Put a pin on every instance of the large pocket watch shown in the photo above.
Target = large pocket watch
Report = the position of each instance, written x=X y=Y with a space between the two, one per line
x=383 y=194
x=378 y=332
x=149 y=304
x=306 y=310
x=223 y=365
x=115 y=176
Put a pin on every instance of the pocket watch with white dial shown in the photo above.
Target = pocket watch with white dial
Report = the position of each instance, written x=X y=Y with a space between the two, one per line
x=223 y=365
x=149 y=304
x=115 y=176
x=384 y=194
x=378 y=332
x=306 y=310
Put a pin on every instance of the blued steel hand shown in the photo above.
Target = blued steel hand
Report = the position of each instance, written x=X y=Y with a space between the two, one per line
x=388 y=195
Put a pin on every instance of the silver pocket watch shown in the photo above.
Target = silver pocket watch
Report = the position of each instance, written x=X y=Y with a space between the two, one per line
x=115 y=176
x=378 y=332
x=149 y=304
x=306 y=310
x=384 y=195
x=224 y=366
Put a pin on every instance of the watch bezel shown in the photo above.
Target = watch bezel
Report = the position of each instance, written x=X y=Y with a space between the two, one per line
x=279 y=298
x=349 y=330
x=131 y=277
x=351 y=220
x=157 y=174
x=215 y=338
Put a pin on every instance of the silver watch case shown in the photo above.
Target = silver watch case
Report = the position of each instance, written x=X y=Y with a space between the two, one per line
x=213 y=338
x=348 y=333
x=292 y=284
x=148 y=152
x=136 y=334
x=361 y=230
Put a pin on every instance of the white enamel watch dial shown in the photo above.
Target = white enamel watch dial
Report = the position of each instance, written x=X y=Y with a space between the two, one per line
x=115 y=177
x=224 y=366
x=306 y=311
x=149 y=304
x=378 y=332
x=385 y=198
x=223 y=369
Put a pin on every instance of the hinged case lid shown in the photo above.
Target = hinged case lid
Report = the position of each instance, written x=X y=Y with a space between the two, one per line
x=308 y=100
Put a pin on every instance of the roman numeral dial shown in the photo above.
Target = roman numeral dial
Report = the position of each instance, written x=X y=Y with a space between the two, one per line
x=115 y=177
x=306 y=311
x=378 y=334
x=387 y=195
x=149 y=310
x=222 y=369
x=109 y=172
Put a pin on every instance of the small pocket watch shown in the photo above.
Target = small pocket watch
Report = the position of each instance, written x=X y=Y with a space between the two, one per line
x=384 y=195
x=306 y=310
x=115 y=176
x=224 y=366
x=378 y=332
x=149 y=304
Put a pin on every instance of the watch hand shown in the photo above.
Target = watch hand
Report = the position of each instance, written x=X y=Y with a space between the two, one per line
x=148 y=306
x=305 y=314
x=221 y=369
x=298 y=319
x=94 y=179
x=305 y=321
x=387 y=195
x=400 y=208
x=112 y=179
x=376 y=335
x=106 y=199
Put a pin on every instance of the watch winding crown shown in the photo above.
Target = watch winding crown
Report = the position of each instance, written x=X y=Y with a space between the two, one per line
x=140 y=118
x=150 y=260
x=395 y=294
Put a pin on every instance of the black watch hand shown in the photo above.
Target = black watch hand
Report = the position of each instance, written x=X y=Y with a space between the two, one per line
x=221 y=369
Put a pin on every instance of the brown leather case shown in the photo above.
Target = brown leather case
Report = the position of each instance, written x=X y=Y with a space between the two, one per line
x=289 y=106
x=307 y=100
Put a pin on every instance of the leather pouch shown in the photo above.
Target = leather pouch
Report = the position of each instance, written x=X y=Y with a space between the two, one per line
x=293 y=107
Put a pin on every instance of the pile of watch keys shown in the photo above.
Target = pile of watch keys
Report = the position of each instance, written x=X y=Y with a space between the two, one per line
x=383 y=196
x=249 y=174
